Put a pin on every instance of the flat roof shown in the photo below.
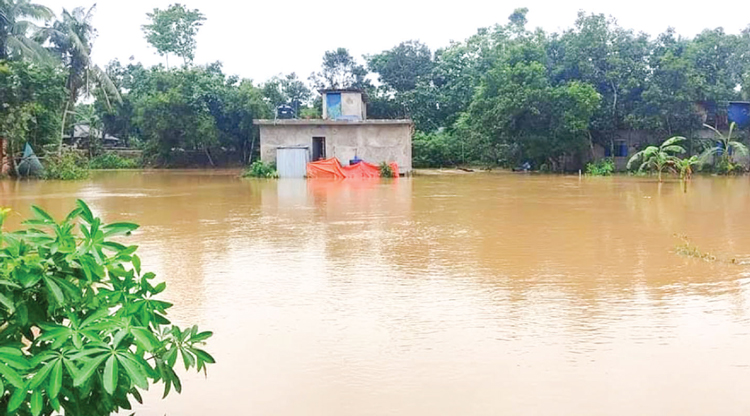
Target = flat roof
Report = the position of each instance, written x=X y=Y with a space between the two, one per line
x=322 y=122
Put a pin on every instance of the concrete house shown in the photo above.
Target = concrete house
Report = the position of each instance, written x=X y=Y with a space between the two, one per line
x=344 y=132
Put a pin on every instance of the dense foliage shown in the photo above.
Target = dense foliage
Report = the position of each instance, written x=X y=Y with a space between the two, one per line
x=67 y=166
x=82 y=328
x=110 y=160
x=601 y=167
x=260 y=169
x=508 y=95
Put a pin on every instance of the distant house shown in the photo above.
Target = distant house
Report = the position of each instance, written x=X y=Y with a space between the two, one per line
x=344 y=132
x=83 y=132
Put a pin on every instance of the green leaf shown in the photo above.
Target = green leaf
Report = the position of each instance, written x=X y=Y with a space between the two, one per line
x=134 y=371
x=202 y=336
x=42 y=214
x=36 y=402
x=55 y=289
x=12 y=377
x=204 y=356
x=187 y=358
x=40 y=376
x=85 y=211
x=145 y=338
x=7 y=303
x=110 y=374
x=16 y=399
x=119 y=228
x=2 y=388
x=159 y=288
x=89 y=367
x=137 y=264
x=55 y=380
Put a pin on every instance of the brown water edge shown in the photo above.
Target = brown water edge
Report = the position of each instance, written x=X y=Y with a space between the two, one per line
x=477 y=294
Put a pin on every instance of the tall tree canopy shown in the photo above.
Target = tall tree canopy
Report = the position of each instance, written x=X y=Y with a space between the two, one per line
x=340 y=70
x=173 y=30
x=17 y=29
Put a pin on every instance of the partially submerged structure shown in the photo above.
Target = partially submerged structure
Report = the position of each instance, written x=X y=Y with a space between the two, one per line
x=343 y=133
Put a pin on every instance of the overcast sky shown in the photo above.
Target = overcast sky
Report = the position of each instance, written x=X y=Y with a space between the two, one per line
x=258 y=39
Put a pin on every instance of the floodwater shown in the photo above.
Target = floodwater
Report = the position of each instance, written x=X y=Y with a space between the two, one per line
x=481 y=294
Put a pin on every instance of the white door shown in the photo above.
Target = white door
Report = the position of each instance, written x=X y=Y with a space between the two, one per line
x=291 y=162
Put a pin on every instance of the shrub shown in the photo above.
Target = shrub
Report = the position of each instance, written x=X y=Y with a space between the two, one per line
x=83 y=330
x=260 y=169
x=436 y=150
x=385 y=170
x=68 y=166
x=113 y=161
x=602 y=167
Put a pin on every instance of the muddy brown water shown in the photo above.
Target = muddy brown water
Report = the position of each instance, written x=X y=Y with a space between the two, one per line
x=480 y=294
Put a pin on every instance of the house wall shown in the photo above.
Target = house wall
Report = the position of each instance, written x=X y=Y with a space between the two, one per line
x=352 y=105
x=371 y=143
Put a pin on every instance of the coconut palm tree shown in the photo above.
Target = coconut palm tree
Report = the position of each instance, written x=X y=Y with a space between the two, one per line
x=659 y=158
x=72 y=39
x=724 y=149
x=16 y=33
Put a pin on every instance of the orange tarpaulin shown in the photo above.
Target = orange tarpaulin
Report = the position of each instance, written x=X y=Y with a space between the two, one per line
x=331 y=168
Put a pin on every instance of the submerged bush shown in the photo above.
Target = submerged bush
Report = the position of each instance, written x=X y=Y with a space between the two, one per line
x=602 y=167
x=260 y=169
x=385 y=170
x=82 y=330
x=67 y=166
x=113 y=161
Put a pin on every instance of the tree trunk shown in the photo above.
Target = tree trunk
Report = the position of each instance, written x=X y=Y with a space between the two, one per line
x=208 y=155
x=252 y=147
x=659 y=175
x=62 y=128
x=591 y=145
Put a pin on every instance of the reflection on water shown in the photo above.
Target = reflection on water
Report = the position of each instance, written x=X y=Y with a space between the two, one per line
x=477 y=294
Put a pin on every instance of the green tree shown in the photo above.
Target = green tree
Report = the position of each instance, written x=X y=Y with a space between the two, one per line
x=72 y=40
x=30 y=100
x=83 y=329
x=402 y=67
x=340 y=70
x=518 y=114
x=173 y=31
x=17 y=33
x=659 y=158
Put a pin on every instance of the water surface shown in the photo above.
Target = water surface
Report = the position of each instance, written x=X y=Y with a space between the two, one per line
x=479 y=294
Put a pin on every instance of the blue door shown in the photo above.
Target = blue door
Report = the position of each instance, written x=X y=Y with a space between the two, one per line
x=333 y=104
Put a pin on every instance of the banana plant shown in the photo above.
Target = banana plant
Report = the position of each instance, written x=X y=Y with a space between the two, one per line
x=724 y=148
x=659 y=158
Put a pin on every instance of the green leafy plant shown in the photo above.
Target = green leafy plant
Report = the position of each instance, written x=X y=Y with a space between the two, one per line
x=721 y=153
x=113 y=161
x=67 y=166
x=602 y=167
x=82 y=330
x=659 y=158
x=386 y=171
x=260 y=169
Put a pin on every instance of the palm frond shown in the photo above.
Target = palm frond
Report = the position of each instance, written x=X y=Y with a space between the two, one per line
x=107 y=86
